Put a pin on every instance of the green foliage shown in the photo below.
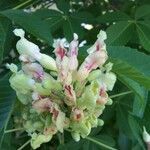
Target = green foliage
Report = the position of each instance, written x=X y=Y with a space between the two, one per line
x=128 y=46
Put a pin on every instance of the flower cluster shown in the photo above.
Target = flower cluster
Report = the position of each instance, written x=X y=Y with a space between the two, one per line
x=59 y=94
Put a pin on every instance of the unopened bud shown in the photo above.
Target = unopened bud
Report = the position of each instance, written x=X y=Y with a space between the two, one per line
x=48 y=62
x=75 y=136
x=100 y=122
x=146 y=136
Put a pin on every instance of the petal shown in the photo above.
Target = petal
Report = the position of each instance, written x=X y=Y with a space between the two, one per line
x=12 y=67
x=26 y=47
x=42 y=105
x=47 y=62
x=60 y=51
x=99 y=44
x=73 y=47
x=91 y=62
x=21 y=82
x=33 y=69
x=60 y=121
x=70 y=95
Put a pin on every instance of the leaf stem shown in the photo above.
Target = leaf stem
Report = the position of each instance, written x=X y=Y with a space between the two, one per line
x=120 y=94
x=22 y=4
x=99 y=143
x=24 y=145
x=61 y=138
x=13 y=130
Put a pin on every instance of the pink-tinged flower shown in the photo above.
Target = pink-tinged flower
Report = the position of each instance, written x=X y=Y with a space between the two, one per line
x=72 y=54
x=51 y=130
x=62 y=62
x=77 y=114
x=103 y=96
x=97 y=57
x=42 y=105
x=99 y=45
x=33 y=69
x=60 y=51
x=58 y=117
x=64 y=75
x=92 y=61
x=70 y=95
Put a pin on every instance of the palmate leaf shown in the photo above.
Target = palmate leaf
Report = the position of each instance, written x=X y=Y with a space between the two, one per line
x=119 y=33
x=30 y=23
x=141 y=95
x=99 y=142
x=146 y=119
x=5 y=38
x=53 y=18
x=113 y=17
x=68 y=29
x=143 y=31
x=142 y=12
x=126 y=62
x=136 y=130
x=7 y=100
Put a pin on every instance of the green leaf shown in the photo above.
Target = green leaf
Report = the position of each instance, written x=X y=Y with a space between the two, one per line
x=113 y=17
x=136 y=130
x=7 y=100
x=119 y=33
x=5 y=38
x=146 y=118
x=83 y=17
x=143 y=31
x=14 y=4
x=126 y=62
x=122 y=117
x=30 y=23
x=68 y=30
x=53 y=18
x=142 y=12
x=138 y=105
x=71 y=145
x=63 y=5
x=140 y=95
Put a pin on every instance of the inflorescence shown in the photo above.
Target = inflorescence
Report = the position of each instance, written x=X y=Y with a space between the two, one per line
x=59 y=94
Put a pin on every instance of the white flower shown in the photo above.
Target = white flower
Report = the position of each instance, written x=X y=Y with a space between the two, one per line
x=26 y=47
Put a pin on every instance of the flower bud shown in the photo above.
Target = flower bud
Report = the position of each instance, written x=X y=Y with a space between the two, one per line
x=12 y=67
x=109 y=101
x=38 y=125
x=38 y=87
x=100 y=122
x=21 y=82
x=60 y=121
x=47 y=62
x=94 y=75
x=23 y=98
x=146 y=136
x=38 y=139
x=28 y=125
x=75 y=136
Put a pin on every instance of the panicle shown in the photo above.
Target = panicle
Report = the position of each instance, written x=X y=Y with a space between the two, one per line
x=59 y=94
